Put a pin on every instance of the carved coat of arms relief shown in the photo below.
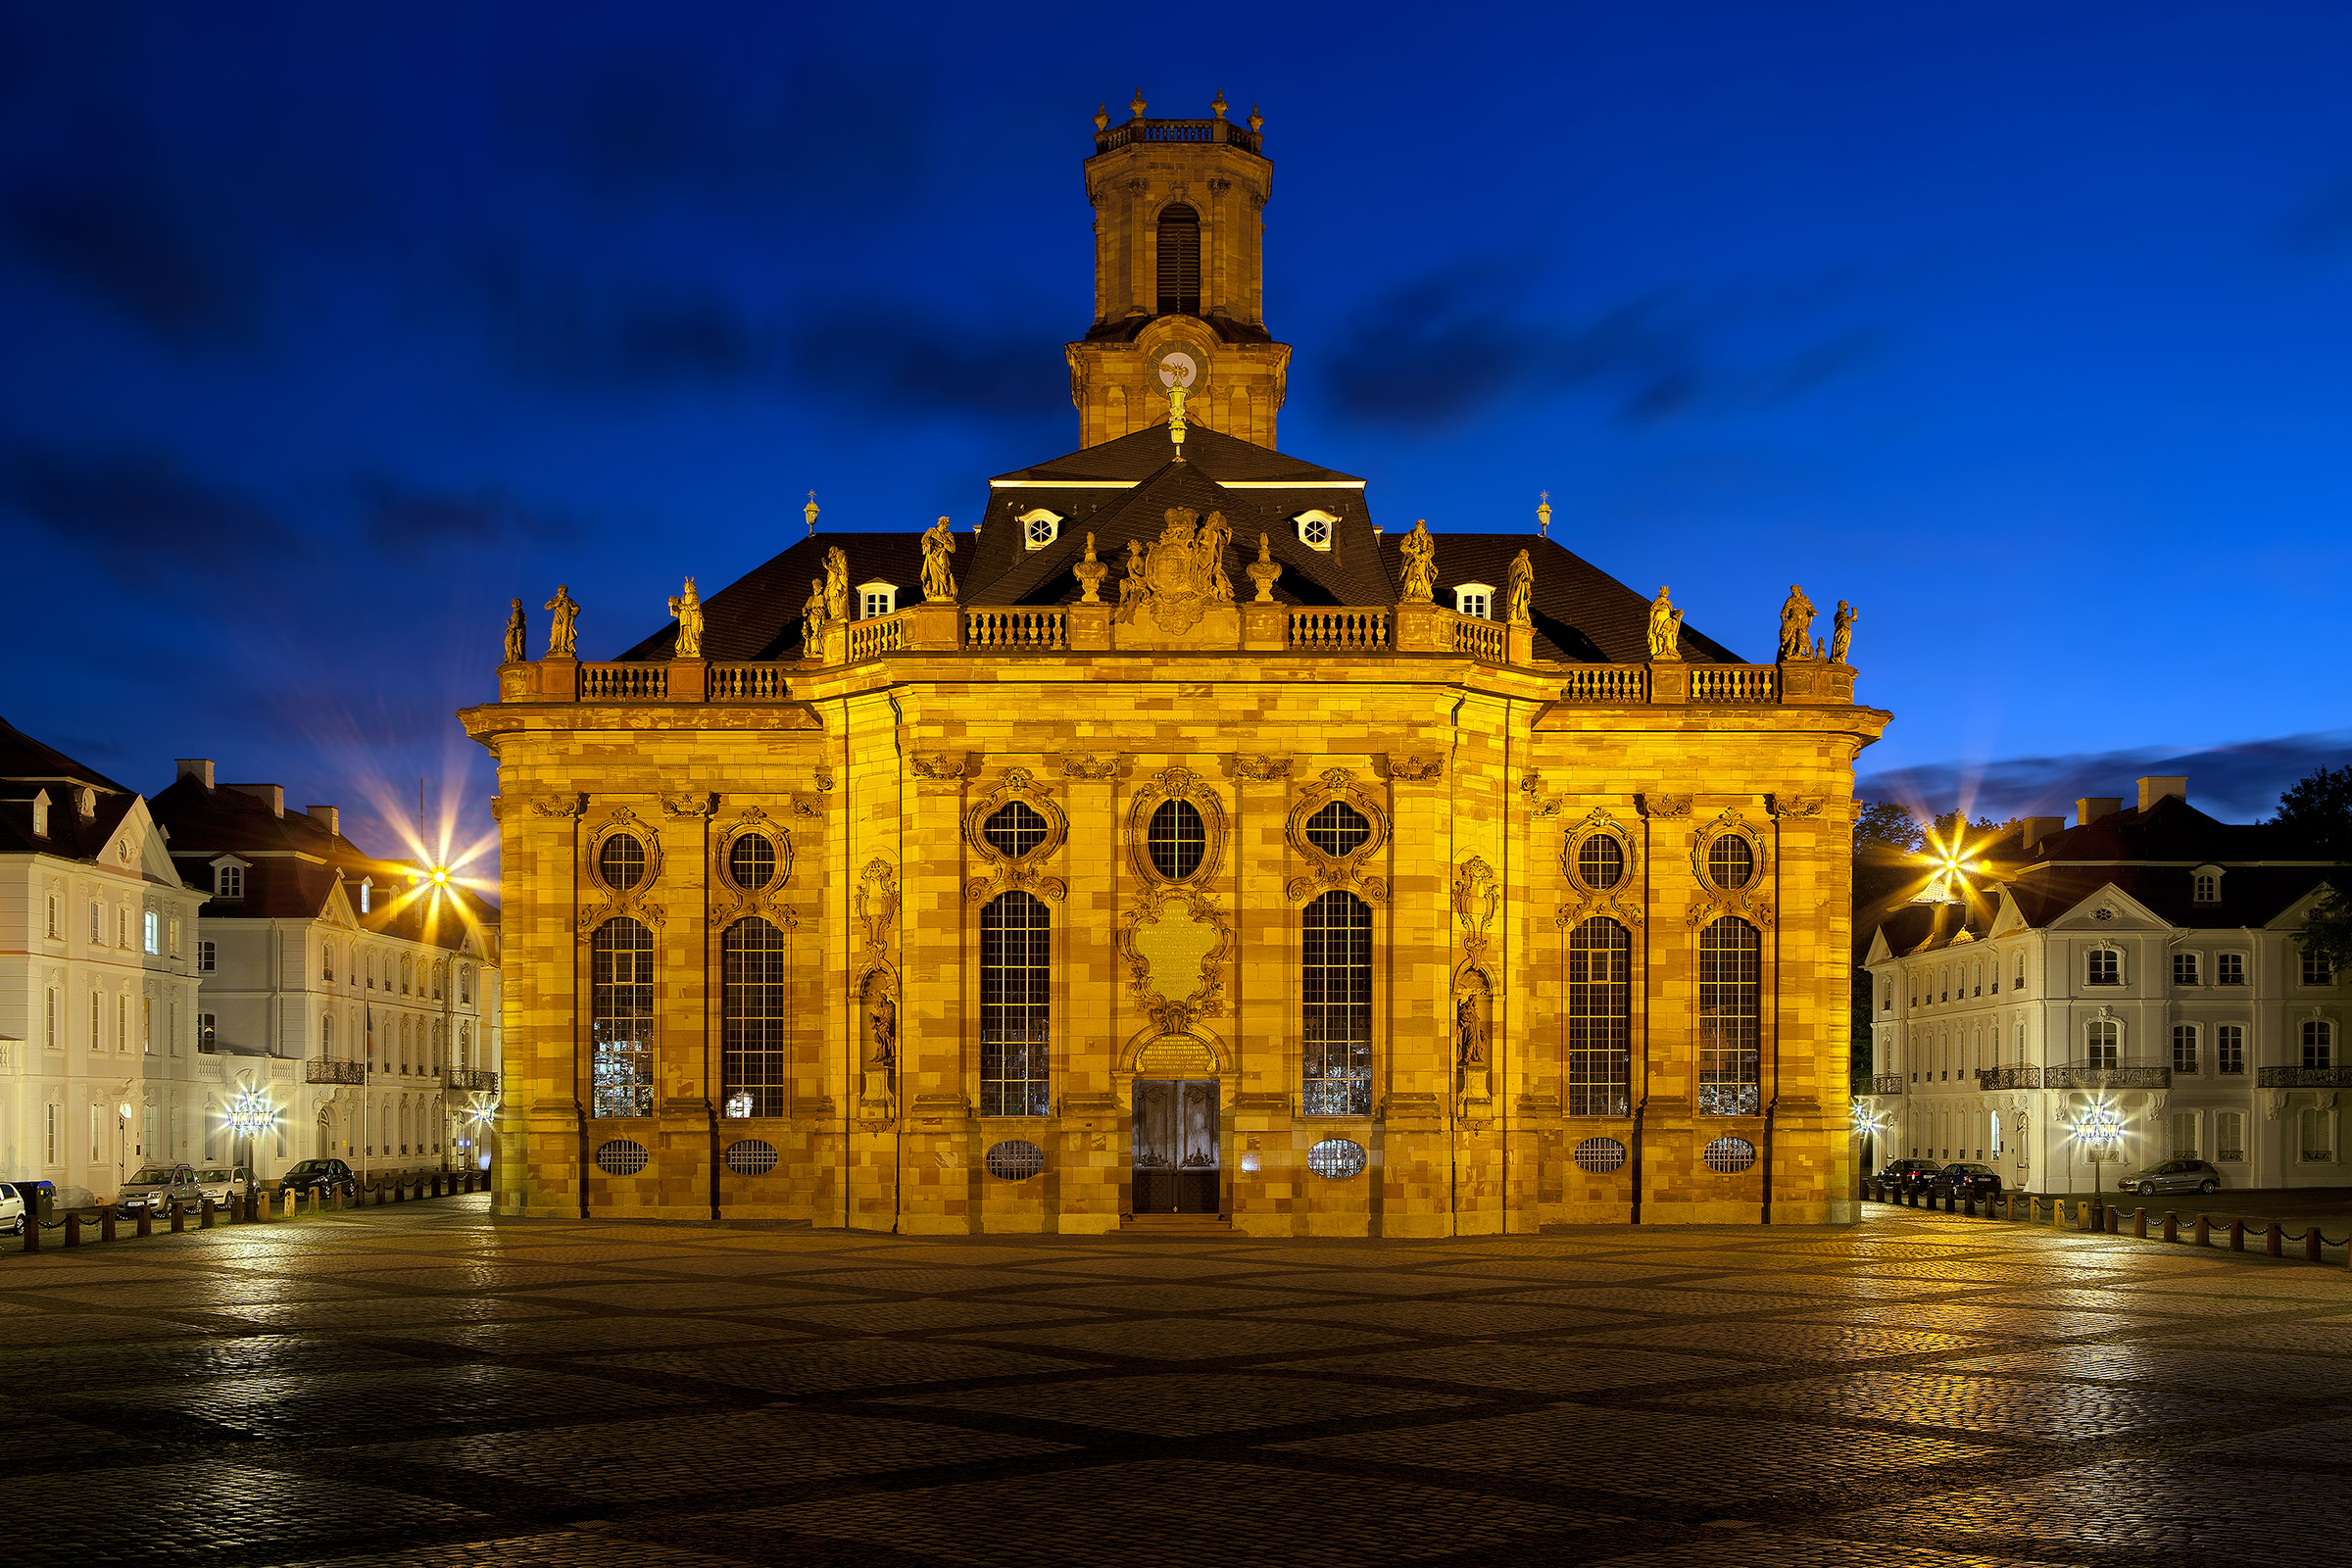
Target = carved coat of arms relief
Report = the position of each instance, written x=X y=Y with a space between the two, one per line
x=1180 y=576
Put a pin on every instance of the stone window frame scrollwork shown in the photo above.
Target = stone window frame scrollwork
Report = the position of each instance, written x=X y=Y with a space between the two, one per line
x=1328 y=871
x=1176 y=784
x=1009 y=871
x=611 y=901
x=730 y=901
x=1747 y=901
x=1621 y=900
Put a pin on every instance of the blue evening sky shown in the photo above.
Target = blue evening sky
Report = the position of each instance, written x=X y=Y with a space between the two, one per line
x=2027 y=328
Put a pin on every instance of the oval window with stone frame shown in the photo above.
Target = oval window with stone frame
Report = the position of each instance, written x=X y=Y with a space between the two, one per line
x=1730 y=863
x=620 y=861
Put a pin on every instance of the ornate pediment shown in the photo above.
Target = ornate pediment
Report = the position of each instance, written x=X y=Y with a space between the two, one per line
x=740 y=889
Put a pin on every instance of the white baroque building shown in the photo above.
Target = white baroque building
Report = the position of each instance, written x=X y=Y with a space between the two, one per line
x=2129 y=988
x=100 y=1061
x=370 y=1013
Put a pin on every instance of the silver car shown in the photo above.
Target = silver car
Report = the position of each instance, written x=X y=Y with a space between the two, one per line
x=2173 y=1176
x=223 y=1184
x=156 y=1186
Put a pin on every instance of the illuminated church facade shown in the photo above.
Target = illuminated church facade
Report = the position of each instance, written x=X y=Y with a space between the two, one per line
x=1176 y=848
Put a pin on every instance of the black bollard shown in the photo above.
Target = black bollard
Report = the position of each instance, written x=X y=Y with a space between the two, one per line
x=179 y=1220
x=146 y=1222
x=73 y=1230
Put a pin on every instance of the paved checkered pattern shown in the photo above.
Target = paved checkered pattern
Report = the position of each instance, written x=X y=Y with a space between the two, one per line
x=429 y=1387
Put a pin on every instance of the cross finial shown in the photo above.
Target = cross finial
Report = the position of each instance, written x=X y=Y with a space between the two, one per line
x=1544 y=514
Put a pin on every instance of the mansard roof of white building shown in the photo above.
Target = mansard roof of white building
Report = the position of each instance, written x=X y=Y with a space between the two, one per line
x=29 y=768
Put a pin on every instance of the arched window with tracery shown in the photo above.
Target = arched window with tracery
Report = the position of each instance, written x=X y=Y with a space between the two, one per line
x=1601 y=1019
x=1179 y=260
x=1016 y=1011
x=620 y=963
x=1731 y=1018
x=1335 y=956
x=751 y=1029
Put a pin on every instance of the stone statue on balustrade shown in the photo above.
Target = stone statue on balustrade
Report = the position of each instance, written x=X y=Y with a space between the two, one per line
x=687 y=608
x=1665 y=627
x=563 y=623
x=1216 y=534
x=1420 y=552
x=516 y=635
x=813 y=620
x=1090 y=573
x=1132 y=589
x=939 y=583
x=837 y=585
x=1841 y=637
x=1520 y=600
x=1796 y=626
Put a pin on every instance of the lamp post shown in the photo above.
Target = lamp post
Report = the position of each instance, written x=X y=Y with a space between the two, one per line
x=250 y=1114
x=1868 y=1124
x=2098 y=1129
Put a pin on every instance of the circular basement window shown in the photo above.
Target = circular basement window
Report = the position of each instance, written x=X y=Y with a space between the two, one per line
x=750 y=1156
x=1015 y=1159
x=1731 y=1155
x=1599 y=1156
x=1336 y=1158
x=622 y=1156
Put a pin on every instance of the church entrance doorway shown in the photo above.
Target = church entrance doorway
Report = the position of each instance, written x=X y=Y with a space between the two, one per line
x=1176 y=1170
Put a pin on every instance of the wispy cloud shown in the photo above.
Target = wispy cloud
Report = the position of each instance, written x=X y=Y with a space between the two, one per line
x=2239 y=782
x=137 y=513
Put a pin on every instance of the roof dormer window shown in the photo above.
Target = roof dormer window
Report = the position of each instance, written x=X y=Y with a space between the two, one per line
x=40 y=814
x=228 y=879
x=876 y=600
x=85 y=802
x=367 y=889
x=1475 y=598
x=1040 y=528
x=1314 y=529
x=2205 y=884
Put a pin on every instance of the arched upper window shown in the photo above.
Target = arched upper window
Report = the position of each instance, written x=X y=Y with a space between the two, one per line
x=408 y=970
x=1601 y=862
x=1336 y=988
x=2318 y=1043
x=440 y=979
x=1731 y=1018
x=326 y=1034
x=1016 y=983
x=1179 y=260
x=1601 y=1018
x=466 y=987
x=1177 y=838
x=1014 y=829
x=751 y=1011
x=621 y=1019
x=1730 y=863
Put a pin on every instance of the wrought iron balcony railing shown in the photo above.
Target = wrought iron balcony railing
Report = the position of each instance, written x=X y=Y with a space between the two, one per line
x=2017 y=1076
x=1886 y=1083
x=463 y=1078
x=2303 y=1078
x=2088 y=1076
x=320 y=1070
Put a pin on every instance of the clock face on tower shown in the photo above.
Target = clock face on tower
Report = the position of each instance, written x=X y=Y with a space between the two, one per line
x=1177 y=366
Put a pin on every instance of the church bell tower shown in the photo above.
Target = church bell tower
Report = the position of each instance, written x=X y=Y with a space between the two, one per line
x=1179 y=279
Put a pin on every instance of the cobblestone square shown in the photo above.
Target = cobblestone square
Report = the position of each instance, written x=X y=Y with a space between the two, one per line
x=433 y=1385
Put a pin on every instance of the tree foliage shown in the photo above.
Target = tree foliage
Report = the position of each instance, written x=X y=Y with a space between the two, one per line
x=2327 y=930
x=2318 y=808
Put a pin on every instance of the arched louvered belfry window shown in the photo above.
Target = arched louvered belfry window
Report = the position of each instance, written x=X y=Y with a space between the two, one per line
x=1731 y=1018
x=1600 y=1018
x=1179 y=260
x=1016 y=983
x=620 y=966
x=1335 y=952
x=751 y=1029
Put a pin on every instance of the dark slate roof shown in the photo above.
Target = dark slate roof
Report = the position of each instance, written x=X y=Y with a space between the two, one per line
x=292 y=861
x=27 y=767
x=2149 y=856
x=1122 y=490
x=1582 y=613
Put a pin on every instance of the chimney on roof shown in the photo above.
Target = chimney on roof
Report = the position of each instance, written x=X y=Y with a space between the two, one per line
x=326 y=817
x=2037 y=828
x=271 y=795
x=2152 y=790
x=2090 y=807
x=199 y=769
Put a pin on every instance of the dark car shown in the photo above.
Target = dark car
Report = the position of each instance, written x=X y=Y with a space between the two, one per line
x=316 y=1176
x=1908 y=1175
x=1966 y=1181
x=2173 y=1176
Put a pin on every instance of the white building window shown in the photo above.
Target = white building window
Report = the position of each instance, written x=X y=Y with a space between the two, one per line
x=56 y=1115
x=2318 y=1043
x=2103 y=966
x=2205 y=885
x=2230 y=1048
x=208 y=958
x=2103 y=1044
x=366 y=888
x=466 y=987
x=40 y=814
x=2185 y=1135
x=2185 y=1047
x=2316 y=970
x=1040 y=528
x=2229 y=1135
x=50 y=1024
x=2229 y=968
x=2317 y=1126
x=229 y=881
x=2184 y=969
x=208 y=1033
x=154 y=935
x=53 y=931
x=1474 y=599
x=1314 y=528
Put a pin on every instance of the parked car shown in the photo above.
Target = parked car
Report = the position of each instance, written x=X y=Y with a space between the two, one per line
x=316 y=1176
x=225 y=1184
x=1908 y=1175
x=1966 y=1181
x=153 y=1187
x=2173 y=1176
x=11 y=1212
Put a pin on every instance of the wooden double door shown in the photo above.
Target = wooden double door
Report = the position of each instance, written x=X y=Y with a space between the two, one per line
x=1175 y=1165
